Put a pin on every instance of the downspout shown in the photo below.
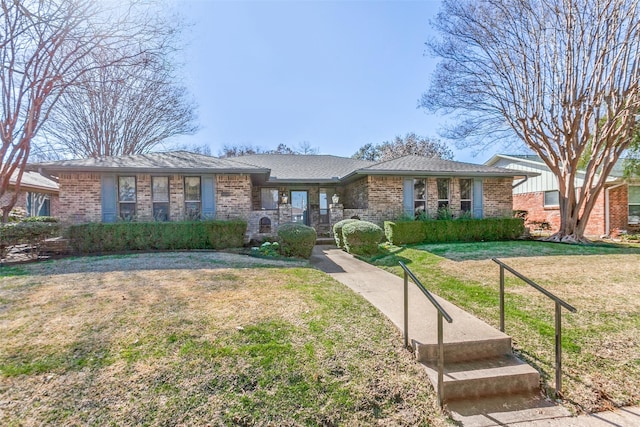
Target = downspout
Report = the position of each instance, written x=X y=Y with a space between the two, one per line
x=607 y=220
x=519 y=183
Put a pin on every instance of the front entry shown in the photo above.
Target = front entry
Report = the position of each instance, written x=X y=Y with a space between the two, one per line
x=300 y=207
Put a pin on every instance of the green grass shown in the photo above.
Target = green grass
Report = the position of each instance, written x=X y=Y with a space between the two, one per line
x=513 y=249
x=201 y=346
x=601 y=346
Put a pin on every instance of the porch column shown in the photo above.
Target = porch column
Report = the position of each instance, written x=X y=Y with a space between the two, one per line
x=336 y=213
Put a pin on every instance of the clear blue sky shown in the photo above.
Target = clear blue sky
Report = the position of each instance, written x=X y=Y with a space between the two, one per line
x=338 y=74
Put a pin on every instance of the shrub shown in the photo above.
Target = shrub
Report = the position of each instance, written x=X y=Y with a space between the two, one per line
x=296 y=240
x=127 y=236
x=362 y=237
x=40 y=219
x=29 y=233
x=405 y=232
x=267 y=249
x=337 y=231
x=465 y=230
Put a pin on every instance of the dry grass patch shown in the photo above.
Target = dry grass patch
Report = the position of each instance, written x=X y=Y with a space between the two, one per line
x=182 y=339
x=601 y=342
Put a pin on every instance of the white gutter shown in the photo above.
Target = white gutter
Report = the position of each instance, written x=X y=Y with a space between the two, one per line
x=607 y=221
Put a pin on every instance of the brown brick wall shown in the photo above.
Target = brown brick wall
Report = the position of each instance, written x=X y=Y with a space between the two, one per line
x=80 y=197
x=533 y=203
x=497 y=200
x=233 y=196
x=619 y=208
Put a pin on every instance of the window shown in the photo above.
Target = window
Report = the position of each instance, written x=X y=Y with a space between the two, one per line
x=443 y=193
x=192 y=197
x=269 y=198
x=466 y=188
x=38 y=204
x=634 y=204
x=419 y=197
x=160 y=197
x=551 y=198
x=127 y=197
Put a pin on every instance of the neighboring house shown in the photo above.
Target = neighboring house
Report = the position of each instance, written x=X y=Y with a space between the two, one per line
x=38 y=194
x=271 y=189
x=617 y=207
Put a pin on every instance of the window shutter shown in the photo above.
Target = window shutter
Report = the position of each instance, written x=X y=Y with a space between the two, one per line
x=407 y=196
x=208 y=197
x=478 y=211
x=109 y=198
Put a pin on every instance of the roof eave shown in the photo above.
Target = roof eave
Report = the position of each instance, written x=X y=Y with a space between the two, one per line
x=121 y=170
x=474 y=174
x=272 y=180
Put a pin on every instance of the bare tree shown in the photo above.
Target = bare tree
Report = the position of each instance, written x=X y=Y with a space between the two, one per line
x=45 y=48
x=411 y=144
x=114 y=111
x=247 y=149
x=561 y=75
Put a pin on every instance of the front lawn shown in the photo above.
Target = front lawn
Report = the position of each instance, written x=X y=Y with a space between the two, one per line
x=601 y=342
x=199 y=339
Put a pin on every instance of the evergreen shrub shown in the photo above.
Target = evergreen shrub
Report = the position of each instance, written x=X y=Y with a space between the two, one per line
x=296 y=240
x=362 y=237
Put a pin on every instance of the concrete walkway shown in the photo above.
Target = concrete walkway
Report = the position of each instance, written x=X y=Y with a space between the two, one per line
x=385 y=291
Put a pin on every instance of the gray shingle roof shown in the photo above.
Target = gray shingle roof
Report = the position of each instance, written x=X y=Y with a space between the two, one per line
x=34 y=180
x=174 y=162
x=305 y=168
x=290 y=168
x=418 y=165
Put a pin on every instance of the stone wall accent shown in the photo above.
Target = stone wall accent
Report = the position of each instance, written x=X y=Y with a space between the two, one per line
x=356 y=194
x=233 y=196
x=336 y=214
x=80 y=197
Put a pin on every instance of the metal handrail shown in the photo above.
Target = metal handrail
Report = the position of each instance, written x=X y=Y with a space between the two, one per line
x=559 y=303
x=441 y=314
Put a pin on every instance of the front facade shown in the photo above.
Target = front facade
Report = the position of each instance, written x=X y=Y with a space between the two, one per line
x=617 y=208
x=269 y=190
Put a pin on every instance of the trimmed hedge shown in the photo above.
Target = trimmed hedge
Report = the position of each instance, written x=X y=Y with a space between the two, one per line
x=461 y=230
x=296 y=239
x=362 y=237
x=337 y=231
x=131 y=236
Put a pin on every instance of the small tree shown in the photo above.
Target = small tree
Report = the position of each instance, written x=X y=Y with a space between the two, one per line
x=561 y=76
x=113 y=111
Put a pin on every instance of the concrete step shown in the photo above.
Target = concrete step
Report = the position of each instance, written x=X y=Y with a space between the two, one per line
x=503 y=375
x=462 y=351
x=325 y=241
x=514 y=410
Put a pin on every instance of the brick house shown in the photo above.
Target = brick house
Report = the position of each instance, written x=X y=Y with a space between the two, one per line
x=617 y=207
x=38 y=195
x=271 y=189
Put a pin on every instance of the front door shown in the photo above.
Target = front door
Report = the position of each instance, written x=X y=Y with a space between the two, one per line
x=300 y=207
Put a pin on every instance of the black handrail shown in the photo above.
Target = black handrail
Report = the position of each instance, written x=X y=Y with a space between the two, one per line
x=441 y=314
x=559 y=303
